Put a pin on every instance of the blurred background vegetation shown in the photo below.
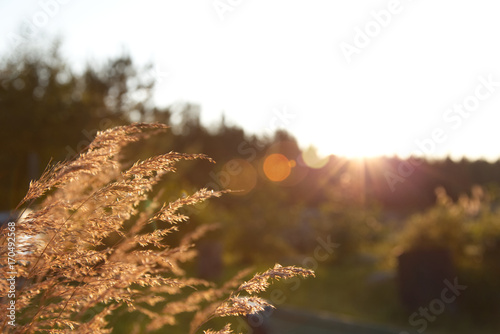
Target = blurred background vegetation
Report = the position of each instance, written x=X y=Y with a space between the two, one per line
x=285 y=206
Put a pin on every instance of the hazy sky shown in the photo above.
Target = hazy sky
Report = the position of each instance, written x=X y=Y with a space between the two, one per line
x=350 y=77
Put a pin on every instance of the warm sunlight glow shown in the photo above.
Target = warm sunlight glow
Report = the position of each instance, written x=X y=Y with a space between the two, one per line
x=352 y=147
x=277 y=167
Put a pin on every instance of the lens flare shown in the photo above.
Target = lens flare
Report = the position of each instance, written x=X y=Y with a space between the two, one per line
x=242 y=176
x=277 y=167
x=312 y=159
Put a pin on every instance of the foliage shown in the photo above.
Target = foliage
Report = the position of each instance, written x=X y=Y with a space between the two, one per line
x=48 y=110
x=442 y=226
x=470 y=229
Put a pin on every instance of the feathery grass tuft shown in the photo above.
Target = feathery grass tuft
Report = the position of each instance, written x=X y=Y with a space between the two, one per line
x=71 y=277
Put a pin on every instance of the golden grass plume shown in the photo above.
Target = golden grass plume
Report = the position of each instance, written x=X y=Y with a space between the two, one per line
x=70 y=278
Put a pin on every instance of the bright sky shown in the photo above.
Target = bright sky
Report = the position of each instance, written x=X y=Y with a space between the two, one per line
x=353 y=78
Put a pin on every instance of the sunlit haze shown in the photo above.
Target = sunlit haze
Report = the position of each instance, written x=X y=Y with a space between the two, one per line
x=351 y=78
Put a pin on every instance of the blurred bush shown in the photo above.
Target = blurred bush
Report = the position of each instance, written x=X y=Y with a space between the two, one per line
x=470 y=229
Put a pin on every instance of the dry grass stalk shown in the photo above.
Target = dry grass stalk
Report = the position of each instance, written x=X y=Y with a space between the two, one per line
x=74 y=278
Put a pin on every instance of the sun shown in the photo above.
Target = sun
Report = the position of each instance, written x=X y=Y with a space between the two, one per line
x=315 y=157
